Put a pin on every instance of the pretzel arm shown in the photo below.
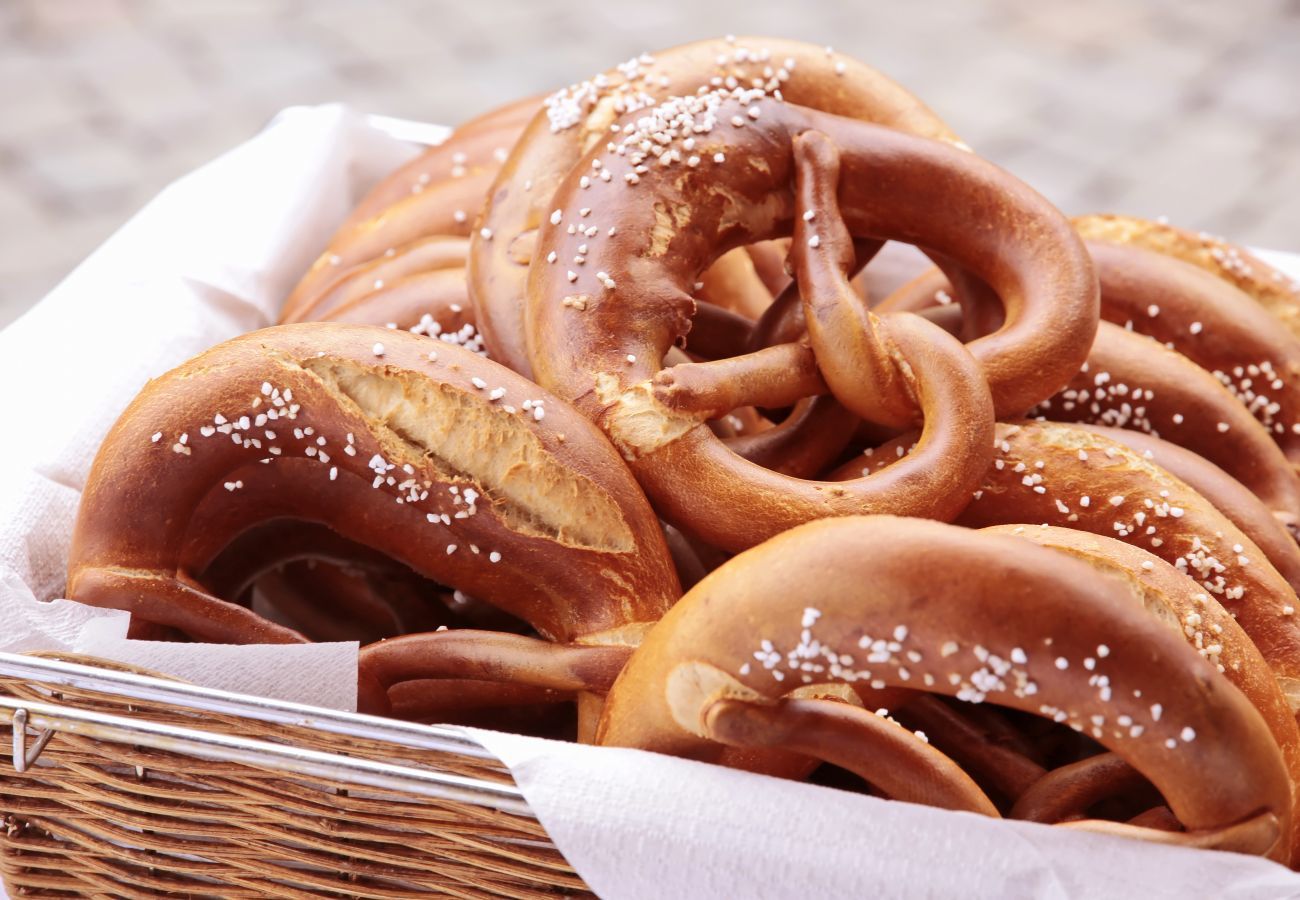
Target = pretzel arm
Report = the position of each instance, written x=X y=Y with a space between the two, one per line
x=1257 y=835
x=856 y=359
x=1003 y=769
x=905 y=603
x=871 y=746
x=717 y=332
x=811 y=438
x=774 y=377
x=1069 y=791
x=492 y=656
x=164 y=598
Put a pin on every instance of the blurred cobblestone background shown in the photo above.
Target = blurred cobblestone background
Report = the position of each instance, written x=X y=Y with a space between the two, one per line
x=1184 y=108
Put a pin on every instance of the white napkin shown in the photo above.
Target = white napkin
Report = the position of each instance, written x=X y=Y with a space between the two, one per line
x=209 y=259
x=267 y=670
x=637 y=826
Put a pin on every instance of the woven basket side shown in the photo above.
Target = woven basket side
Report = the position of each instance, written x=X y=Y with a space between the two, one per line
x=92 y=818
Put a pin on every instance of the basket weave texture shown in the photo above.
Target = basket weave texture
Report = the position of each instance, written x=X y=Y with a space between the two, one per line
x=92 y=818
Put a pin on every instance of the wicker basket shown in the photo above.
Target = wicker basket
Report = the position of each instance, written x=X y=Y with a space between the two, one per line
x=126 y=784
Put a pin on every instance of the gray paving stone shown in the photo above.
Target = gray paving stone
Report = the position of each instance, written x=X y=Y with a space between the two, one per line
x=1182 y=107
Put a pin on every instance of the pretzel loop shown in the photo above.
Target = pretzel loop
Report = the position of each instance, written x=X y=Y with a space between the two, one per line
x=579 y=117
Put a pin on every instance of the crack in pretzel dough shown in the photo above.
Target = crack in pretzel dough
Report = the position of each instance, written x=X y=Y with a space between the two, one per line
x=463 y=437
x=635 y=421
x=669 y=221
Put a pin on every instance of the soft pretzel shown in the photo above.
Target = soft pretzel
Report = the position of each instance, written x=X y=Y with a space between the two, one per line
x=328 y=602
x=320 y=583
x=1227 y=495
x=584 y=115
x=429 y=303
x=429 y=254
x=1129 y=498
x=1130 y=381
x=1067 y=792
x=1213 y=324
x=377 y=436
x=479 y=141
x=598 y=331
x=1006 y=772
x=998 y=619
x=1187 y=608
x=1272 y=289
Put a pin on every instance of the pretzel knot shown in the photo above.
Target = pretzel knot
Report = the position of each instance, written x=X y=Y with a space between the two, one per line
x=729 y=168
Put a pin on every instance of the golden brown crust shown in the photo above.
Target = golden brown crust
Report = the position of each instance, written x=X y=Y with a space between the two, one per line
x=1187 y=608
x=599 y=330
x=1272 y=289
x=1130 y=381
x=677 y=218
x=439 y=192
x=431 y=472
x=481 y=141
x=1228 y=495
x=1213 y=324
x=1075 y=477
x=999 y=619
x=1090 y=483
x=429 y=303
x=437 y=252
x=580 y=116
x=746 y=504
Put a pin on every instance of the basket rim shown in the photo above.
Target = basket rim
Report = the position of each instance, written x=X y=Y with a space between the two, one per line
x=212 y=745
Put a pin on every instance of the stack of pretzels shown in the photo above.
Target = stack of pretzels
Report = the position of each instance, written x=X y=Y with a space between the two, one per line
x=596 y=421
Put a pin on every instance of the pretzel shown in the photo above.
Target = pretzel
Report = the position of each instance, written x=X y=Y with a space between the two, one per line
x=1213 y=324
x=1270 y=288
x=479 y=141
x=1185 y=607
x=734 y=284
x=599 y=330
x=1005 y=772
x=1058 y=474
x=376 y=435
x=582 y=115
x=1138 y=503
x=327 y=602
x=769 y=264
x=997 y=619
x=430 y=303
x=1067 y=792
x=320 y=583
